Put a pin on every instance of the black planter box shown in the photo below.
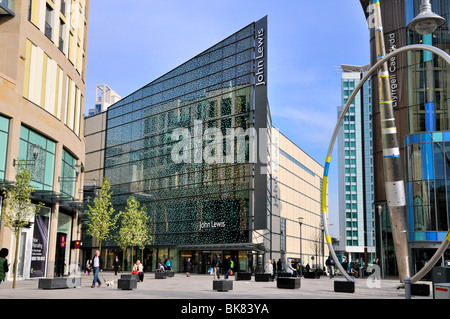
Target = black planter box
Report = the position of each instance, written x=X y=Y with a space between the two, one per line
x=127 y=284
x=284 y=274
x=160 y=275
x=222 y=285
x=344 y=286
x=288 y=282
x=59 y=283
x=170 y=274
x=311 y=275
x=263 y=277
x=420 y=290
x=130 y=276
x=243 y=276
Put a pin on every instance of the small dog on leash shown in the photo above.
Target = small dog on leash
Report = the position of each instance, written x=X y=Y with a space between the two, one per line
x=109 y=283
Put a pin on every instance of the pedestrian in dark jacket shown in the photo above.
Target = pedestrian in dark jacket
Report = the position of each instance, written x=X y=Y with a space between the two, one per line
x=226 y=266
x=4 y=267
x=215 y=265
x=116 y=265
x=187 y=267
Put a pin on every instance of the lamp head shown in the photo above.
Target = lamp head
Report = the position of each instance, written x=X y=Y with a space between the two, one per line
x=426 y=21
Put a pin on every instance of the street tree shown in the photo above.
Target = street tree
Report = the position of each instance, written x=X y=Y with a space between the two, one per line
x=134 y=228
x=102 y=220
x=19 y=210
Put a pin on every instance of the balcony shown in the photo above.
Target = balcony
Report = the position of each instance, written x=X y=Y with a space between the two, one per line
x=7 y=7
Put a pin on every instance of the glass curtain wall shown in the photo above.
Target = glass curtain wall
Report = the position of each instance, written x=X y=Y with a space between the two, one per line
x=194 y=193
x=4 y=132
x=43 y=165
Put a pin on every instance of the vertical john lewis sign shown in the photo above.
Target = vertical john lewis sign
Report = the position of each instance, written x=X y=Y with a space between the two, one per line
x=260 y=103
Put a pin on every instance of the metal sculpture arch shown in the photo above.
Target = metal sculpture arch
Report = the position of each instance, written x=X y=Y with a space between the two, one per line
x=373 y=69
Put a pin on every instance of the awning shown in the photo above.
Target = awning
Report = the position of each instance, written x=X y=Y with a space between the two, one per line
x=232 y=246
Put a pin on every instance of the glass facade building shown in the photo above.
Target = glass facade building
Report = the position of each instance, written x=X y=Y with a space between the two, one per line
x=355 y=168
x=420 y=93
x=182 y=146
x=198 y=149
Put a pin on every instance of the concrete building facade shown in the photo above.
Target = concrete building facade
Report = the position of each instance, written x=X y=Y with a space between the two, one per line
x=42 y=84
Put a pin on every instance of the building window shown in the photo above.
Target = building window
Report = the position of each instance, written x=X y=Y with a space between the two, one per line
x=48 y=21
x=4 y=130
x=42 y=170
x=61 y=35
x=63 y=7
x=68 y=174
x=283 y=234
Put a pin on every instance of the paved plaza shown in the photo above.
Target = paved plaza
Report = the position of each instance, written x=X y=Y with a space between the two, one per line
x=201 y=287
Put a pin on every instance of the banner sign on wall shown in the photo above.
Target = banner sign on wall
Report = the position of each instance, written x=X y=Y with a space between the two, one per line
x=39 y=246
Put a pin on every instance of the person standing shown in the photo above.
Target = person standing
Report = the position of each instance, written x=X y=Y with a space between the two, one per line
x=215 y=264
x=330 y=265
x=268 y=269
x=3 y=264
x=226 y=266
x=187 y=267
x=88 y=266
x=97 y=266
x=116 y=265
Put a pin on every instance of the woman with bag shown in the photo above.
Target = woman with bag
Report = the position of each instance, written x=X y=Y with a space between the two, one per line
x=139 y=270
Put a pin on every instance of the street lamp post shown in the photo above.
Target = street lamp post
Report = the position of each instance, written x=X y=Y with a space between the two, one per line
x=300 y=222
x=393 y=171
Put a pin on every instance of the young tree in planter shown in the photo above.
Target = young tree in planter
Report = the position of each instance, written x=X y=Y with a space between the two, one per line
x=134 y=229
x=19 y=211
x=101 y=219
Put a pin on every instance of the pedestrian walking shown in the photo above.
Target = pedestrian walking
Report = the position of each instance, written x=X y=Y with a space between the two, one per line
x=187 y=267
x=268 y=269
x=330 y=266
x=226 y=266
x=97 y=266
x=4 y=267
x=88 y=266
x=116 y=265
x=215 y=265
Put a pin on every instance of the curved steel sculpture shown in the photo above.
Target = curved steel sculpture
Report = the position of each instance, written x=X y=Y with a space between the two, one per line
x=373 y=69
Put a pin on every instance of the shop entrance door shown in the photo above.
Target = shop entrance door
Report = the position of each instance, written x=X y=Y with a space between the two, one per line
x=60 y=254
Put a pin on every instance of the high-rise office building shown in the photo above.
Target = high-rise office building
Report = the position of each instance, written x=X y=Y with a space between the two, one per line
x=356 y=225
x=420 y=93
x=42 y=85
x=104 y=98
x=197 y=147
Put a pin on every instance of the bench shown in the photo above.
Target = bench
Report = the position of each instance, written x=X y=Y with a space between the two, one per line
x=243 y=276
x=288 y=282
x=311 y=275
x=263 y=277
x=128 y=283
x=344 y=286
x=160 y=275
x=130 y=276
x=420 y=290
x=222 y=285
x=59 y=283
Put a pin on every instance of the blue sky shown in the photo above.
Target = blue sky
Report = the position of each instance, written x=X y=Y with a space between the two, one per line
x=134 y=42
